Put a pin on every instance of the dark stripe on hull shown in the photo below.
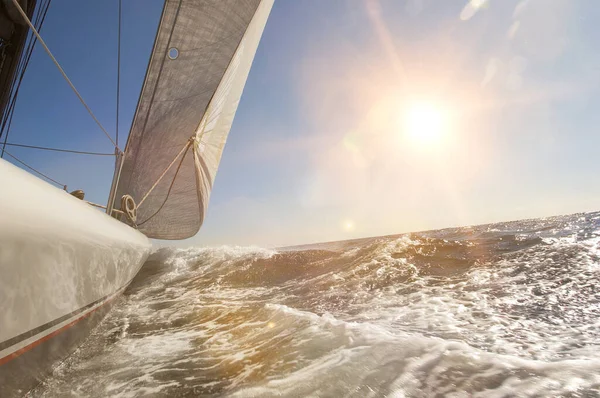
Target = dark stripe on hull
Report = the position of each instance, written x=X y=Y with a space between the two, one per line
x=23 y=336
x=24 y=369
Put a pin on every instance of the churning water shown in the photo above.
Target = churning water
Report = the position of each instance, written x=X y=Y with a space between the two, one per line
x=508 y=309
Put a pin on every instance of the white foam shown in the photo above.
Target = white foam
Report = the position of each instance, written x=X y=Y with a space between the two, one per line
x=372 y=324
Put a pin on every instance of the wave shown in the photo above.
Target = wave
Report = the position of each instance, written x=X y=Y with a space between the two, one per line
x=409 y=364
x=499 y=310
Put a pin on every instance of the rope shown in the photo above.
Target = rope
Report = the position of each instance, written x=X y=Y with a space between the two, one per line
x=59 y=150
x=170 y=187
x=36 y=171
x=101 y=207
x=94 y=204
x=184 y=149
x=118 y=76
x=18 y=6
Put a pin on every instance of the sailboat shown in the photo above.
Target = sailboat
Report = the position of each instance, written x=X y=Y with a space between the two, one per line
x=63 y=260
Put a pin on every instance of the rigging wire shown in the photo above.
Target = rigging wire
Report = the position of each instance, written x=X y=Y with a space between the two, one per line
x=31 y=40
x=119 y=156
x=24 y=60
x=18 y=6
x=32 y=36
x=36 y=171
x=118 y=76
x=60 y=150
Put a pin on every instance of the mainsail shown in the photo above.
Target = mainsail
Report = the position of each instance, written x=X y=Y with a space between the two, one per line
x=199 y=65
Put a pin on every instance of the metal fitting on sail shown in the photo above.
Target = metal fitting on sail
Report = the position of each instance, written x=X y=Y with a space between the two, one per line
x=129 y=208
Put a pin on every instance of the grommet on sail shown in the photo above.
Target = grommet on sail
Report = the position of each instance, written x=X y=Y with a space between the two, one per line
x=199 y=65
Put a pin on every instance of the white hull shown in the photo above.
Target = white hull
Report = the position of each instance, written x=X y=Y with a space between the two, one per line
x=61 y=262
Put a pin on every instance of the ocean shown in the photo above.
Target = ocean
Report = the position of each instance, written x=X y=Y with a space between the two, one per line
x=500 y=310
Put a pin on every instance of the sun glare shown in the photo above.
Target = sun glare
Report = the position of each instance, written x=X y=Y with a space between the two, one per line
x=348 y=225
x=425 y=123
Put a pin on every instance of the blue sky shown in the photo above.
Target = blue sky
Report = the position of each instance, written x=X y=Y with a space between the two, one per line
x=318 y=150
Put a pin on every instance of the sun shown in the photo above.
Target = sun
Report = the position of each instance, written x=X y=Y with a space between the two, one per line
x=425 y=123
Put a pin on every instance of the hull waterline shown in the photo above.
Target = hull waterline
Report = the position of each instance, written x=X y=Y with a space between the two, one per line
x=62 y=264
